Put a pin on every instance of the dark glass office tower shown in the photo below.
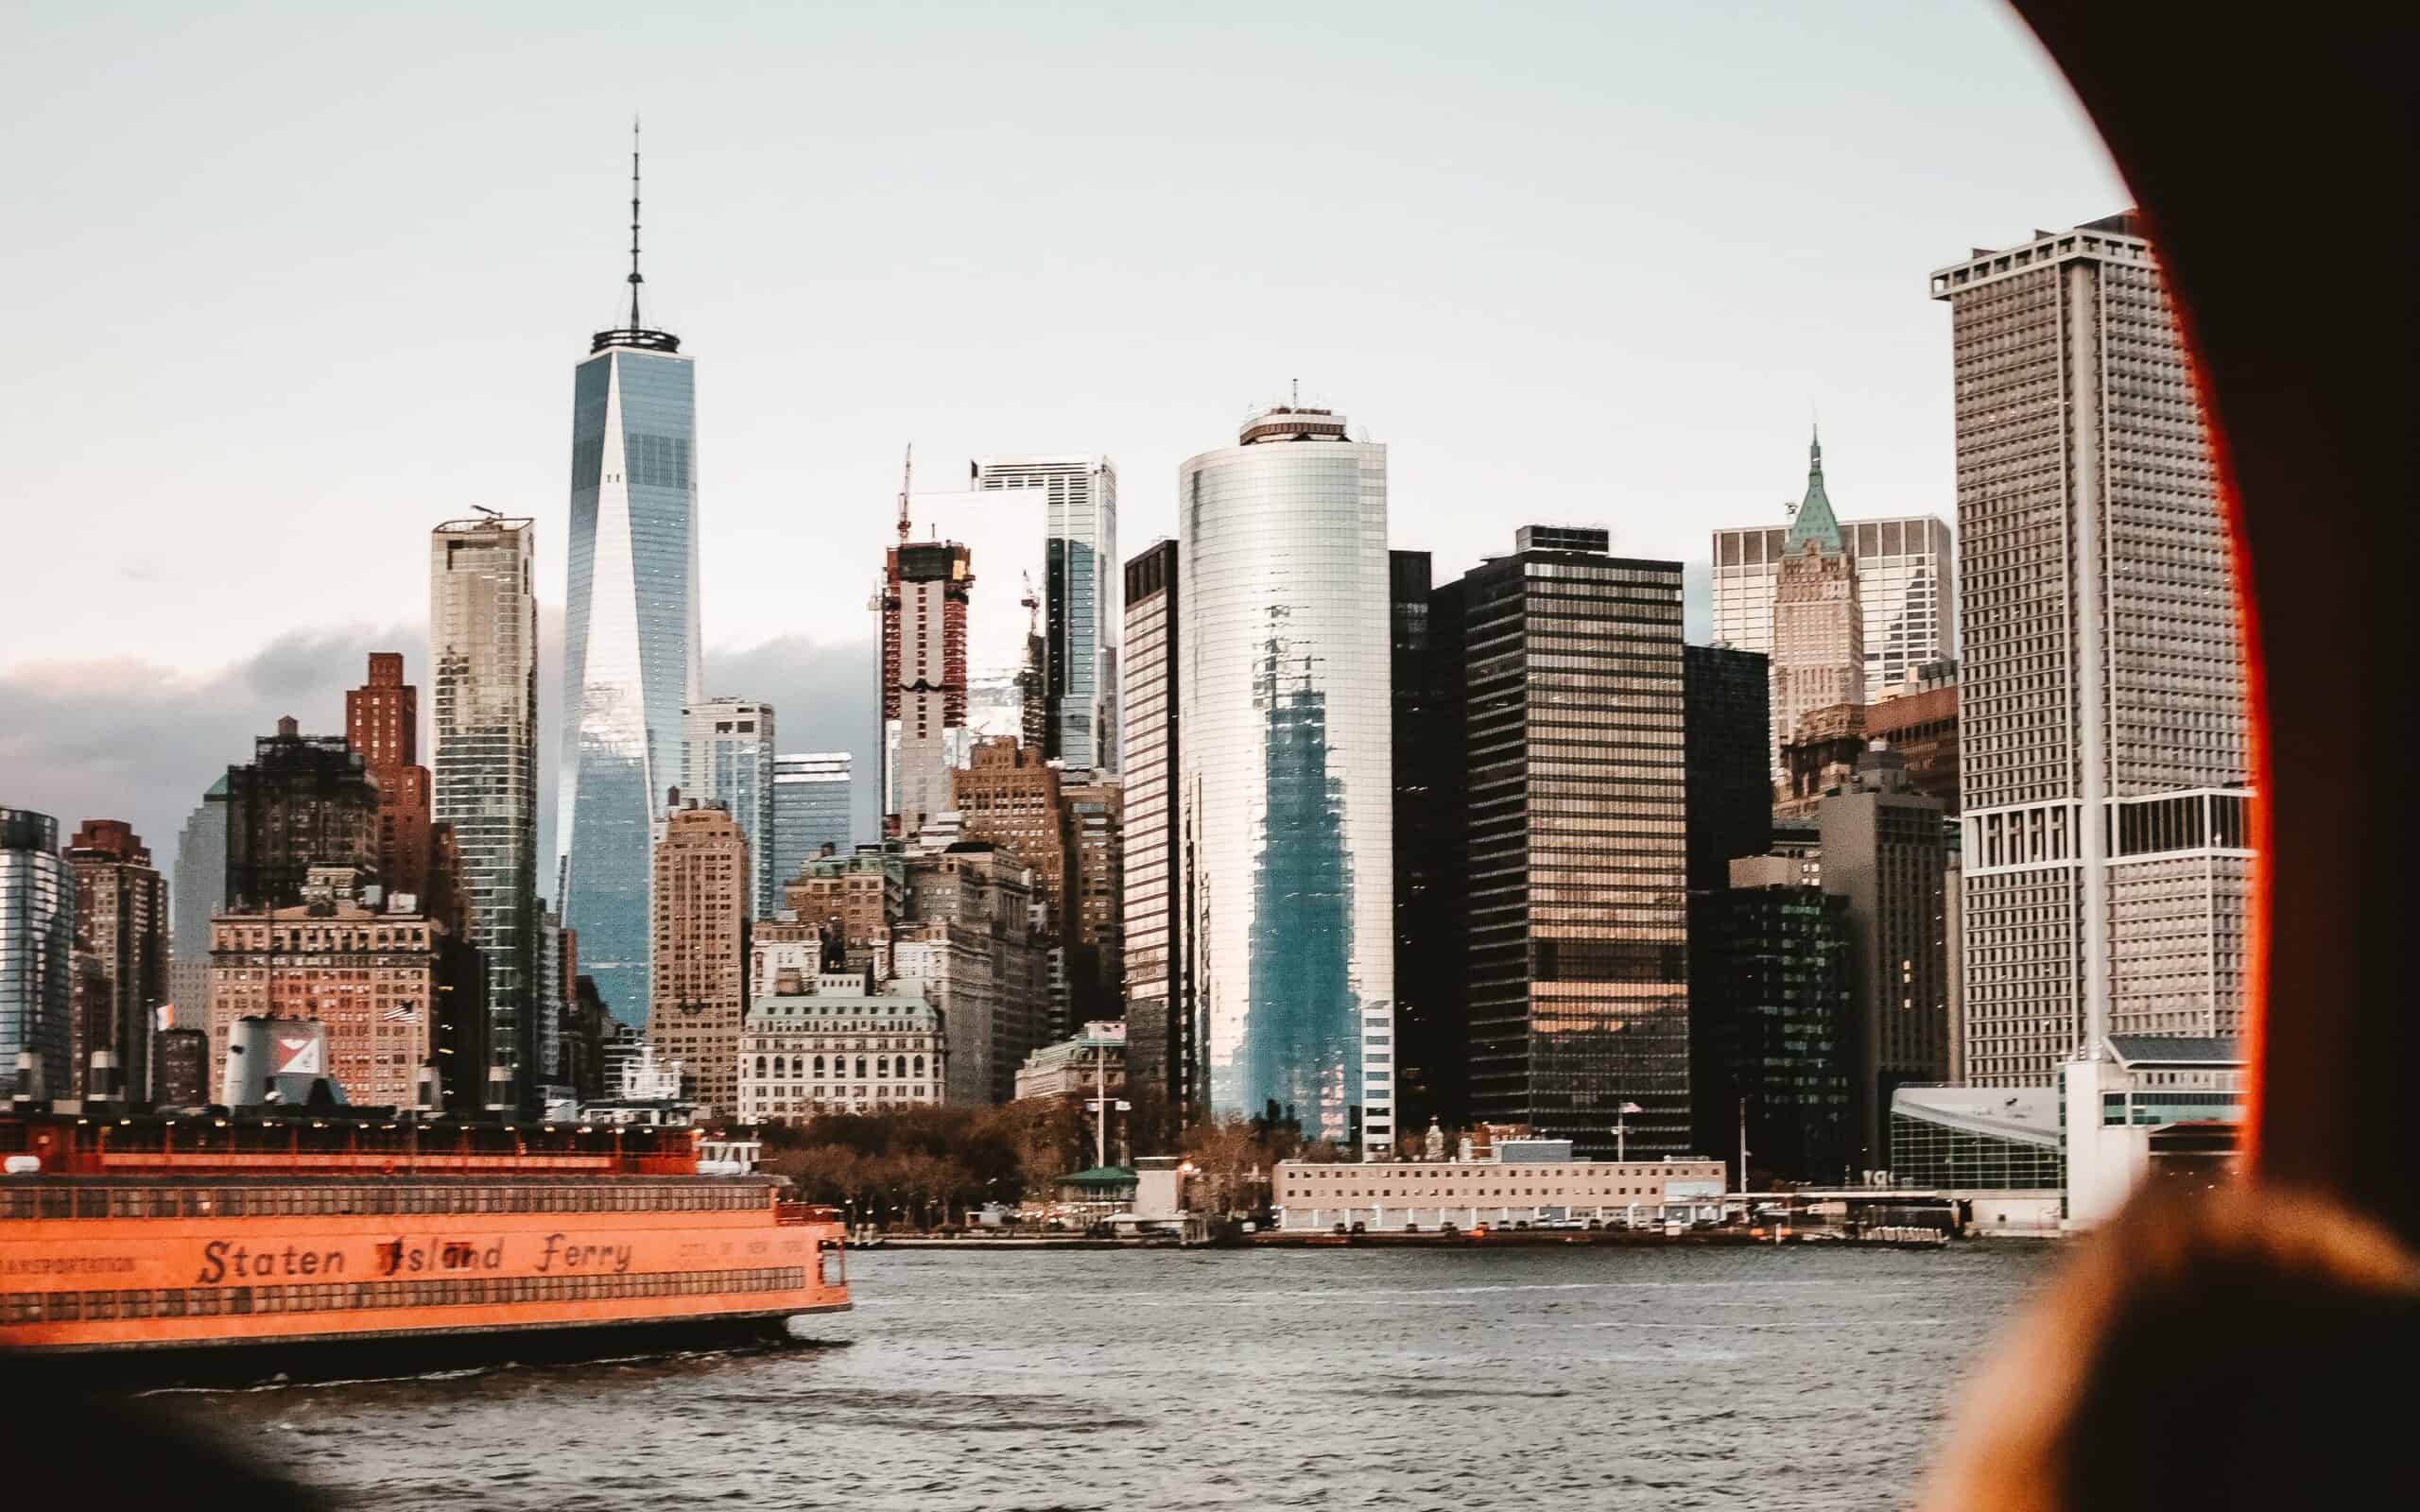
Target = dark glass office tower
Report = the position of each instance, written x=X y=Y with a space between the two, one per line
x=630 y=634
x=1726 y=700
x=1159 y=1039
x=1774 y=1038
x=1431 y=1048
x=1577 y=843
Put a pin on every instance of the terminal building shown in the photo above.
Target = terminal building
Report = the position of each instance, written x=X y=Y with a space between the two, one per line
x=1510 y=1183
x=2065 y=1158
x=2159 y=1108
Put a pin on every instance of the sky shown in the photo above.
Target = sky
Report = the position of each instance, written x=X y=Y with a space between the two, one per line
x=292 y=283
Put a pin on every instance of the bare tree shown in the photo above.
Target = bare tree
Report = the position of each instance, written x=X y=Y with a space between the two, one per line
x=1232 y=1160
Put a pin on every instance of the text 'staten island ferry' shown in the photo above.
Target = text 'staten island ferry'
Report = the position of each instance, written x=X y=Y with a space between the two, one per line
x=207 y=1233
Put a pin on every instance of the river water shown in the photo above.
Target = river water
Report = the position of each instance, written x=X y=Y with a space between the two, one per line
x=1597 y=1377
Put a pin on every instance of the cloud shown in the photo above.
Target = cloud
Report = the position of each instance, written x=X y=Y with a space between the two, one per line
x=123 y=738
x=823 y=697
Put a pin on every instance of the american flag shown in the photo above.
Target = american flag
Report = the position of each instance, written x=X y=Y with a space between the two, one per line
x=406 y=1014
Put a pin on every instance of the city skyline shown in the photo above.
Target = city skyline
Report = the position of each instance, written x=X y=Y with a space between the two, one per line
x=1671 y=693
x=530 y=210
x=633 y=654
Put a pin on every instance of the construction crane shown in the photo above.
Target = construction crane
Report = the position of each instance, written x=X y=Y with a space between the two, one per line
x=906 y=479
x=1032 y=606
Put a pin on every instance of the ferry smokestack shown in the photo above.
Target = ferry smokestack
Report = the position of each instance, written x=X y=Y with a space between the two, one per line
x=499 y=1088
x=101 y=1083
x=428 y=1096
x=28 y=1087
x=247 y=1047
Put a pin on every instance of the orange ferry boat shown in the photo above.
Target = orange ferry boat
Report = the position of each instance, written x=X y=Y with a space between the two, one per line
x=202 y=1233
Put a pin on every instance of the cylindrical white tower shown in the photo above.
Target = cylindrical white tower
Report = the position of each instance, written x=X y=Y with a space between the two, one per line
x=1283 y=727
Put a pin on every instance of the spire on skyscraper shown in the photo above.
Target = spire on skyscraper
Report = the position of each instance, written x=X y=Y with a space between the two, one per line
x=635 y=278
x=634 y=334
x=1814 y=520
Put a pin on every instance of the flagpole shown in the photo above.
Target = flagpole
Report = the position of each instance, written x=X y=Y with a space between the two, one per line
x=1743 y=1146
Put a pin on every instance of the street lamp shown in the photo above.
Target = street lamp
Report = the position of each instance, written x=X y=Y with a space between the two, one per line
x=1621 y=1130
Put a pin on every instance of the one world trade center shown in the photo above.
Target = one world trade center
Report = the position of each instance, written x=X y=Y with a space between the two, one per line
x=630 y=633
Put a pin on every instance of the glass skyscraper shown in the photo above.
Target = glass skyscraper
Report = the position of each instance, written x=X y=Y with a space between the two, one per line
x=197 y=890
x=1080 y=617
x=814 y=799
x=1576 y=852
x=631 y=642
x=1287 y=775
x=483 y=648
x=727 y=756
x=37 y=952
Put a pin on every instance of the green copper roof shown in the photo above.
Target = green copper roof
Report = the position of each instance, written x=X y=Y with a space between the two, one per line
x=1814 y=522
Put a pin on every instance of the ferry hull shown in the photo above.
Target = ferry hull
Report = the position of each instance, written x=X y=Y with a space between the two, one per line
x=142 y=1234
x=133 y=1284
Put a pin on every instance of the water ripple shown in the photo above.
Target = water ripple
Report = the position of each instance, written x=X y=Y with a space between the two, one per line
x=1338 y=1379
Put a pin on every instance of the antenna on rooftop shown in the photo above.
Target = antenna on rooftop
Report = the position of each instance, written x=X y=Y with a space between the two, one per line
x=636 y=279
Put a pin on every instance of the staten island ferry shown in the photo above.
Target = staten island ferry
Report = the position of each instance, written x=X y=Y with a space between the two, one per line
x=220 y=1233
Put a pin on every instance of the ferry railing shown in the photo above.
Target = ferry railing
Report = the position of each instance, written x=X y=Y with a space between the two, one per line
x=136 y=1145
